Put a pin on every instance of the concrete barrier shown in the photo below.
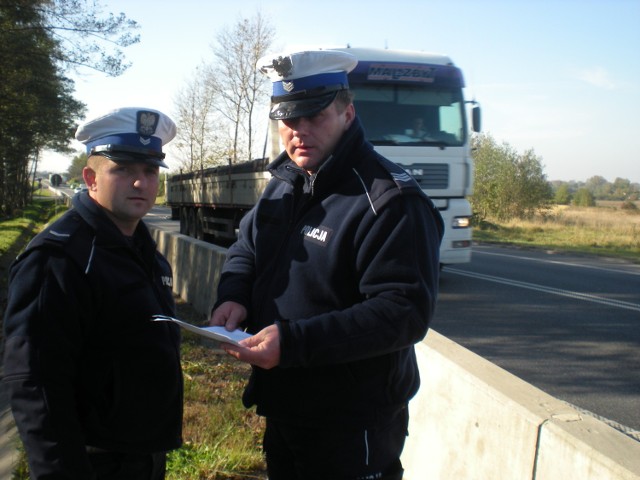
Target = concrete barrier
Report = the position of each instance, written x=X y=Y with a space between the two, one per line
x=474 y=420
x=470 y=419
x=196 y=267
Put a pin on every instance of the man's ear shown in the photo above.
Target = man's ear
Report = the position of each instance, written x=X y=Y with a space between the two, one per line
x=350 y=113
x=89 y=177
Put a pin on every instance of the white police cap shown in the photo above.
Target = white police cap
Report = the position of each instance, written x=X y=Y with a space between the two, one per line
x=128 y=134
x=304 y=83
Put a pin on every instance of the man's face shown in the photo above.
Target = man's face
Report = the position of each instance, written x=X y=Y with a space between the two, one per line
x=126 y=190
x=310 y=140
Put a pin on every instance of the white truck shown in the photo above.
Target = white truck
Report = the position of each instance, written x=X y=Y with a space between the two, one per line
x=413 y=110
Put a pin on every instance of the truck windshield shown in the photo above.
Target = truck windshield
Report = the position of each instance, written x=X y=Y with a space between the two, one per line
x=411 y=115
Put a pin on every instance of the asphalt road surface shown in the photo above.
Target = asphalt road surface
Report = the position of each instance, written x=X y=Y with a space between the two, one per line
x=567 y=324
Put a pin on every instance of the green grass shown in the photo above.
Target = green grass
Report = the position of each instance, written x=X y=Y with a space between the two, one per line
x=222 y=438
x=28 y=222
x=16 y=232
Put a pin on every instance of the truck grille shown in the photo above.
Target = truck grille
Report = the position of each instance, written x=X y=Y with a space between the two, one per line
x=430 y=176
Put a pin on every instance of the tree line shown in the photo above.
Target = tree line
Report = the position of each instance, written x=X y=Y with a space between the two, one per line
x=217 y=109
x=595 y=188
x=40 y=42
x=511 y=185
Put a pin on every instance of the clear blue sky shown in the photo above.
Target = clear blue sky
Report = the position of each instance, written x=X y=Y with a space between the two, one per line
x=561 y=77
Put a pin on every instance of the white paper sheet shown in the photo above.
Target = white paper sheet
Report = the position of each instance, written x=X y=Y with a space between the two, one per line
x=220 y=334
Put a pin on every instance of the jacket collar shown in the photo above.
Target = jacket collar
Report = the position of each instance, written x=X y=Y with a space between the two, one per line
x=105 y=229
x=337 y=166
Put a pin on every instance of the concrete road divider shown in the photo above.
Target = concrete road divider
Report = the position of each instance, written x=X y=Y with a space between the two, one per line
x=471 y=419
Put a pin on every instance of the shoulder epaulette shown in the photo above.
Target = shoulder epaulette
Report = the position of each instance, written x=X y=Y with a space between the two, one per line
x=64 y=235
x=58 y=233
x=401 y=178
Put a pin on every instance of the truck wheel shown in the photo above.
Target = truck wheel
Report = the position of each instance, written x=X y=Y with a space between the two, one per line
x=191 y=223
x=199 y=226
x=184 y=219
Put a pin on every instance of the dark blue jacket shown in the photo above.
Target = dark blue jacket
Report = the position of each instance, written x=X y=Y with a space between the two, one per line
x=84 y=365
x=346 y=263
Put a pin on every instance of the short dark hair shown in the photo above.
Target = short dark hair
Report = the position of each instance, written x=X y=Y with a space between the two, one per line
x=343 y=99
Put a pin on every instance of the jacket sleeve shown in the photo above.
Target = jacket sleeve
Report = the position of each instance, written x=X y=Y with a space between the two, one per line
x=43 y=341
x=238 y=274
x=397 y=271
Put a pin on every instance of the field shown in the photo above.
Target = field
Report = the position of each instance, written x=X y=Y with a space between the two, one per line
x=606 y=229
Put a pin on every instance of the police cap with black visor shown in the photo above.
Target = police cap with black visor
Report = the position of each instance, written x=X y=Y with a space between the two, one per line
x=130 y=134
x=305 y=83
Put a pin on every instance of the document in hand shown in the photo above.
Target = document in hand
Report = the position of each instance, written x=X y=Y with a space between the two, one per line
x=220 y=334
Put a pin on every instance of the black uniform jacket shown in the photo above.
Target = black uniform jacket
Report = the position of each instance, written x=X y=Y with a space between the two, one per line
x=84 y=364
x=346 y=263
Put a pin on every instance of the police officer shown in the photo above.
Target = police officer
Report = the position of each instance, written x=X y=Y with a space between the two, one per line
x=335 y=271
x=95 y=386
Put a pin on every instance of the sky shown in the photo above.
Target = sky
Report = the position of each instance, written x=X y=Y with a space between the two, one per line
x=559 y=77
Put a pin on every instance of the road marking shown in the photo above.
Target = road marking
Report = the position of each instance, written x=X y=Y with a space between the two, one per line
x=554 y=291
x=557 y=262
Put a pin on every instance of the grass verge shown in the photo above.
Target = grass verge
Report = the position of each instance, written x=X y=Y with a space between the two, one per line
x=16 y=232
x=222 y=439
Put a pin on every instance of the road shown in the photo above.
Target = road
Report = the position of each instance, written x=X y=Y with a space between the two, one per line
x=567 y=324
x=570 y=325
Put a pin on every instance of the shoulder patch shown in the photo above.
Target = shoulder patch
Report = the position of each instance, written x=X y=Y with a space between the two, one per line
x=401 y=178
x=390 y=181
x=60 y=235
x=59 y=232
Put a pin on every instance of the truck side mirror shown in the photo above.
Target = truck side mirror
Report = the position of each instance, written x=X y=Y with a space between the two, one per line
x=475 y=119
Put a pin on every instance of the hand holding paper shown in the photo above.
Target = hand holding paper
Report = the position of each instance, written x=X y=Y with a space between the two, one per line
x=220 y=334
x=262 y=350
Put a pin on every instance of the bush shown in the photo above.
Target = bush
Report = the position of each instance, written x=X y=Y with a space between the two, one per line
x=629 y=205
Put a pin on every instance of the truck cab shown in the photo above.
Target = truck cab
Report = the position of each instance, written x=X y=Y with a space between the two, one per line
x=412 y=107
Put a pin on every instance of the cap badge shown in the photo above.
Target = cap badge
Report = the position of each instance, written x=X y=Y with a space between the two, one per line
x=283 y=66
x=288 y=86
x=147 y=123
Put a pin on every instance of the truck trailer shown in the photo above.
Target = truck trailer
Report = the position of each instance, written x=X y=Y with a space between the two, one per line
x=413 y=110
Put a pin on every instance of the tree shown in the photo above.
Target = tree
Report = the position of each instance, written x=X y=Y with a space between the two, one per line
x=37 y=109
x=506 y=184
x=196 y=136
x=87 y=38
x=216 y=108
x=599 y=187
x=563 y=195
x=236 y=54
x=621 y=189
x=533 y=191
x=74 y=173
x=39 y=39
x=584 y=198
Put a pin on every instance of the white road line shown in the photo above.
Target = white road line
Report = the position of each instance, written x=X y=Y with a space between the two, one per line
x=554 y=291
x=557 y=262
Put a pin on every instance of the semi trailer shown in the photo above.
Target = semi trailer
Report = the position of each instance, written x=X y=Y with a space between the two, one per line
x=413 y=110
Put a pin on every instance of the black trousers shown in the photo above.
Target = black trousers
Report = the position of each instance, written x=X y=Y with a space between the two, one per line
x=128 y=466
x=340 y=453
